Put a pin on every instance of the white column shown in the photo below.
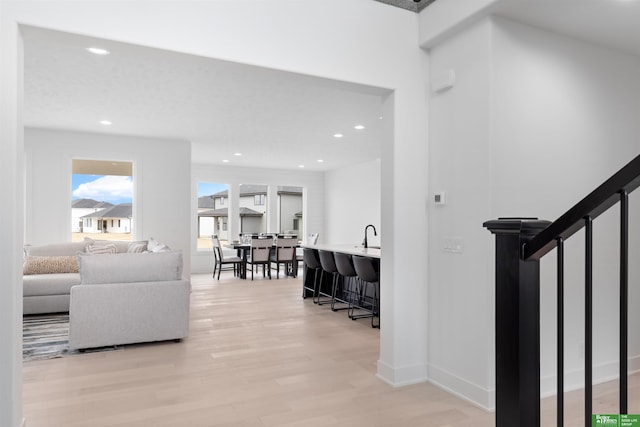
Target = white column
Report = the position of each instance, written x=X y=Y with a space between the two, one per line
x=404 y=268
x=233 y=220
x=273 y=210
x=11 y=218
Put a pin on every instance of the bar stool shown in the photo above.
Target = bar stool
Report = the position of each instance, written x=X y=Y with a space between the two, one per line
x=311 y=261
x=369 y=278
x=348 y=272
x=328 y=263
x=327 y=267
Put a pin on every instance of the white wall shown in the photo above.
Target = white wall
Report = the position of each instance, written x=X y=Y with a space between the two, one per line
x=161 y=178
x=534 y=122
x=313 y=198
x=565 y=118
x=352 y=201
x=461 y=284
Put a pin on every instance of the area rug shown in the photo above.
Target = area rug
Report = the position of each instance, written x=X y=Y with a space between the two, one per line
x=47 y=337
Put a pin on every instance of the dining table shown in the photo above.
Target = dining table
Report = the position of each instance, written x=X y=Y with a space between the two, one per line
x=243 y=249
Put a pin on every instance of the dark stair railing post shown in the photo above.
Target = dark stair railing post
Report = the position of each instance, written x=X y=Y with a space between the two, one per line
x=517 y=323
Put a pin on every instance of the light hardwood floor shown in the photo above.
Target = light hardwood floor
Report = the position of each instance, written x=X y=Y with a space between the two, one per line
x=258 y=356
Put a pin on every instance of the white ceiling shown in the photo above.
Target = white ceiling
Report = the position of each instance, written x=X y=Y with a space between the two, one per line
x=275 y=119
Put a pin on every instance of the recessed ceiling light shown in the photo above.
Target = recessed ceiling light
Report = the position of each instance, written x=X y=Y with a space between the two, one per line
x=237 y=154
x=338 y=135
x=105 y=122
x=225 y=161
x=320 y=161
x=300 y=166
x=358 y=127
x=380 y=118
x=98 y=51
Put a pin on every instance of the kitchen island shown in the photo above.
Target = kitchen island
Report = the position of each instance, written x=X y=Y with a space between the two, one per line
x=347 y=287
x=346 y=248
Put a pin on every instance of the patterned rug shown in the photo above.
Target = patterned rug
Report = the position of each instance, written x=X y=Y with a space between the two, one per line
x=47 y=337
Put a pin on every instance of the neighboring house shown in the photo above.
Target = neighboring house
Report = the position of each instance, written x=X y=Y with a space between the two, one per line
x=290 y=210
x=116 y=219
x=82 y=207
x=213 y=212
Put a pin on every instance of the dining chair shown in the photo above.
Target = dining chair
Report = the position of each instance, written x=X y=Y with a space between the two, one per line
x=260 y=254
x=284 y=253
x=223 y=262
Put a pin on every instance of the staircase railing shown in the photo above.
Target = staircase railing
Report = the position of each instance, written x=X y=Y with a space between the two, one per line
x=520 y=244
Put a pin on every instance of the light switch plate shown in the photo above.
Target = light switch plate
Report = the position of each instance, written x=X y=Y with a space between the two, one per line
x=452 y=245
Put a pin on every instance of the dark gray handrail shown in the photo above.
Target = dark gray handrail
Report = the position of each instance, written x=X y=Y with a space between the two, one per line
x=597 y=202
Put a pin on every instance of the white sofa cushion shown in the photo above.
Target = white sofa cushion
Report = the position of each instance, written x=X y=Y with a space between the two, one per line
x=49 y=284
x=130 y=267
x=59 y=249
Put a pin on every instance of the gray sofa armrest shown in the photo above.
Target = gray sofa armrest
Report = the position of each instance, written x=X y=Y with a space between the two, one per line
x=123 y=313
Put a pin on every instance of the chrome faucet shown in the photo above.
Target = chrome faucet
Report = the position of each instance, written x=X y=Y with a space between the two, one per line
x=365 y=243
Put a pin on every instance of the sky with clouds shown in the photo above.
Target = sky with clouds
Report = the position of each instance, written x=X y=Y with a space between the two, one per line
x=103 y=188
x=209 y=188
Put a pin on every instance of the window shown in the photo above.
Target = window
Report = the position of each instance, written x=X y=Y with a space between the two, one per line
x=101 y=190
x=253 y=208
x=212 y=215
x=290 y=210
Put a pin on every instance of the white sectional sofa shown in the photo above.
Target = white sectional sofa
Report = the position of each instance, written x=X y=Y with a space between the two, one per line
x=50 y=272
x=115 y=293
x=129 y=298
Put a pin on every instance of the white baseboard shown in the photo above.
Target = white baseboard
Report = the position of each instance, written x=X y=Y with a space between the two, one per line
x=574 y=380
x=473 y=393
x=402 y=376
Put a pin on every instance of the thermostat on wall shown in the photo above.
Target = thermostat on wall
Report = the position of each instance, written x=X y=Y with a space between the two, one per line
x=440 y=198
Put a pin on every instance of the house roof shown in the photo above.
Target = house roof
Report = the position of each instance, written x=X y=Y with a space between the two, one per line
x=206 y=202
x=225 y=212
x=250 y=190
x=89 y=204
x=123 y=210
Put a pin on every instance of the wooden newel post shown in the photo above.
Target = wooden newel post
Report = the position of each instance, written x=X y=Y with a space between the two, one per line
x=517 y=323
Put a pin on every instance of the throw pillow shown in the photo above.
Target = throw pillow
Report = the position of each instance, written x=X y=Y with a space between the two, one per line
x=155 y=246
x=102 y=249
x=49 y=265
x=137 y=247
